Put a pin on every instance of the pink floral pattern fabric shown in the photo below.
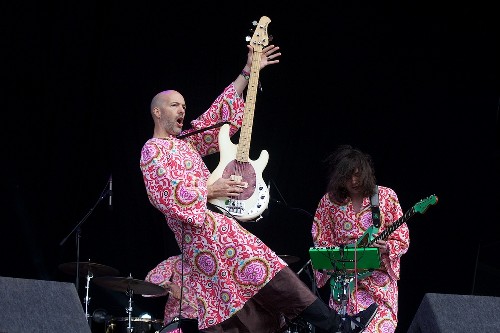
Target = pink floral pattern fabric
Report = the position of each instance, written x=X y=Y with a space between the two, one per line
x=173 y=270
x=228 y=264
x=337 y=224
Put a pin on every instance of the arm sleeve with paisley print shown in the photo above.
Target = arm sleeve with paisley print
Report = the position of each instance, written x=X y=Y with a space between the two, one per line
x=228 y=107
x=399 y=240
x=322 y=233
x=159 y=275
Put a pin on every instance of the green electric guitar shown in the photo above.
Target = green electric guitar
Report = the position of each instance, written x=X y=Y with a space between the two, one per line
x=361 y=258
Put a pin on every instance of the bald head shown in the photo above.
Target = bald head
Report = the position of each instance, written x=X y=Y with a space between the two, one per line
x=168 y=109
x=160 y=99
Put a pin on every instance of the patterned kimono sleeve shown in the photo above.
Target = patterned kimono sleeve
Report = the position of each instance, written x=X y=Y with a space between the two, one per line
x=322 y=234
x=173 y=190
x=159 y=275
x=399 y=241
x=228 y=107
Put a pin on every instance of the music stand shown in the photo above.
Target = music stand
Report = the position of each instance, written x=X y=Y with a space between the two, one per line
x=345 y=258
x=344 y=264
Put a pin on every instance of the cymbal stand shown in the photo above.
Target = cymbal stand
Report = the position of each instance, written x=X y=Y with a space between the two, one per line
x=129 y=293
x=90 y=275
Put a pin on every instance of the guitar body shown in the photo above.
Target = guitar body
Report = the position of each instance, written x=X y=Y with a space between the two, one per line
x=366 y=238
x=252 y=202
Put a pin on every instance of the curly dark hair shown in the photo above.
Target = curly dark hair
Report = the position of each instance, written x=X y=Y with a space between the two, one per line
x=342 y=164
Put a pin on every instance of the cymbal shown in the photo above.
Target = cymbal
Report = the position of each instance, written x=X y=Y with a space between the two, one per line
x=125 y=284
x=86 y=267
x=288 y=258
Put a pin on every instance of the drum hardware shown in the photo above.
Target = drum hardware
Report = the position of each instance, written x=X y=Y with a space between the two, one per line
x=130 y=286
x=185 y=325
x=139 y=325
x=86 y=267
x=101 y=320
x=101 y=316
x=89 y=270
x=304 y=267
x=87 y=298
x=289 y=259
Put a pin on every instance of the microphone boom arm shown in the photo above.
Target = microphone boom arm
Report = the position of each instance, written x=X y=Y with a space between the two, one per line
x=77 y=229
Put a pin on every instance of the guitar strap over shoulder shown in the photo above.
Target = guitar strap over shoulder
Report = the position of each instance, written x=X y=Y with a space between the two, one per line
x=375 y=208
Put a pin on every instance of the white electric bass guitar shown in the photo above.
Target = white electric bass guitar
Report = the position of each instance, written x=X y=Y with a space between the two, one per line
x=234 y=159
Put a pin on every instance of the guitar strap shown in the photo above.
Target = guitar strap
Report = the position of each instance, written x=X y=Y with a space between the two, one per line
x=375 y=208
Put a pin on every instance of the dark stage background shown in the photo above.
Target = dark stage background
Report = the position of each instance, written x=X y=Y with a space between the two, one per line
x=413 y=84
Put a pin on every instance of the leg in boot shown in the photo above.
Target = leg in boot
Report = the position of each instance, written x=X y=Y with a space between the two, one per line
x=322 y=317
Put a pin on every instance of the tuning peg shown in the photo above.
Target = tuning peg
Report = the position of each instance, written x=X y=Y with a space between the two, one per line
x=248 y=38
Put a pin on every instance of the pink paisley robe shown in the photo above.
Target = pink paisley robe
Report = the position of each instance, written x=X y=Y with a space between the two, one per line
x=229 y=265
x=173 y=270
x=336 y=225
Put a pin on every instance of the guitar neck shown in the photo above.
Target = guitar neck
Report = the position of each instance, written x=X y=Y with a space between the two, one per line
x=390 y=229
x=243 y=151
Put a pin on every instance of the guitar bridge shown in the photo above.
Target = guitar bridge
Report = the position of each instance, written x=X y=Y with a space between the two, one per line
x=235 y=207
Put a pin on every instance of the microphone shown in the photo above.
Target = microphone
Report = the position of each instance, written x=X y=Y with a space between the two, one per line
x=110 y=191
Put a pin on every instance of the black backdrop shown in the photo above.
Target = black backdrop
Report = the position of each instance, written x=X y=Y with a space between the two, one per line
x=415 y=85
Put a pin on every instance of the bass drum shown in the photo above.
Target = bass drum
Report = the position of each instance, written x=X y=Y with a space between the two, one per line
x=139 y=325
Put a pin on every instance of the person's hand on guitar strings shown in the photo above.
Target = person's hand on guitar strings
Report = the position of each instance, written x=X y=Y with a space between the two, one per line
x=225 y=187
x=382 y=246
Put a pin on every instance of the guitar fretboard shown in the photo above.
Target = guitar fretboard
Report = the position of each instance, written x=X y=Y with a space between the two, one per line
x=243 y=151
x=390 y=229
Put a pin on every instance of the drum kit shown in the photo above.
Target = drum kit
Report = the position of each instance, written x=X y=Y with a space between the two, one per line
x=108 y=277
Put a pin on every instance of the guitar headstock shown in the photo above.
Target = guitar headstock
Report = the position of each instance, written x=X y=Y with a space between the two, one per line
x=260 y=38
x=423 y=204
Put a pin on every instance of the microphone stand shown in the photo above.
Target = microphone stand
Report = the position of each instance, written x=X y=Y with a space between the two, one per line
x=78 y=230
